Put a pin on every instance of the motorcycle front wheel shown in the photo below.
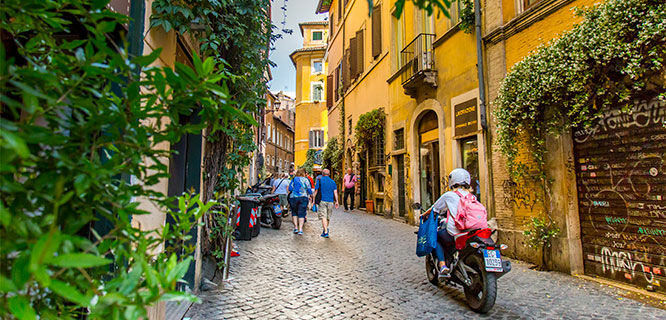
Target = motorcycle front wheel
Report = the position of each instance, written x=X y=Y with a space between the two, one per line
x=277 y=222
x=483 y=291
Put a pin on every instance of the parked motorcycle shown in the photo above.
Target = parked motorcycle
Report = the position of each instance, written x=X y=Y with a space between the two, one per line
x=271 y=211
x=476 y=264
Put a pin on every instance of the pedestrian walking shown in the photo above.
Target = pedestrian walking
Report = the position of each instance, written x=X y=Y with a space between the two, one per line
x=299 y=198
x=326 y=187
x=281 y=188
x=349 y=183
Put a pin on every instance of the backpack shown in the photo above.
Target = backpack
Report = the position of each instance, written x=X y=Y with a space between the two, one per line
x=471 y=213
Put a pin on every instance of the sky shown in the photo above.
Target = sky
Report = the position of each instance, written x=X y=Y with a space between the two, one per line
x=284 y=74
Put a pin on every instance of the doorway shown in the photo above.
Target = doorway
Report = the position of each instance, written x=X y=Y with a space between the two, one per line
x=429 y=159
x=400 y=159
x=469 y=147
x=363 y=179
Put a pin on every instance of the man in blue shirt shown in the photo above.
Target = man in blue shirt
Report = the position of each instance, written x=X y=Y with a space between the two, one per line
x=329 y=198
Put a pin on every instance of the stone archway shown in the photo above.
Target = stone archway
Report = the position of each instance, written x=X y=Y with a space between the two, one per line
x=432 y=132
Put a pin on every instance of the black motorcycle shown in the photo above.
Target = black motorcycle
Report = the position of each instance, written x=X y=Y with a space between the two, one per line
x=475 y=265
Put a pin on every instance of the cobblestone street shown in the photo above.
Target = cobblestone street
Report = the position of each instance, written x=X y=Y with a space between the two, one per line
x=368 y=270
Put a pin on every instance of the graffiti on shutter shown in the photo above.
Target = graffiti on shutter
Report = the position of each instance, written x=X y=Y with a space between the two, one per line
x=376 y=31
x=621 y=177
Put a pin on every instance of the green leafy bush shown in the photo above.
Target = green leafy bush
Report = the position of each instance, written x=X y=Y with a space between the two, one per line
x=369 y=127
x=82 y=133
x=332 y=158
x=539 y=233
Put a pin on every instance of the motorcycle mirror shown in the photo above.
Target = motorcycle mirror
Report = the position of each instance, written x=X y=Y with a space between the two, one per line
x=416 y=206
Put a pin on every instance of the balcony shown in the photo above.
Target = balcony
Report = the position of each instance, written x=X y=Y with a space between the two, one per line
x=418 y=64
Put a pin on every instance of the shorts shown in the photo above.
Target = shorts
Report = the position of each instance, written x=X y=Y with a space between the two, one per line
x=325 y=210
x=299 y=206
x=283 y=200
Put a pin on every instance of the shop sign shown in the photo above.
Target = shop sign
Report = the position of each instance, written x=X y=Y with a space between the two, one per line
x=466 y=118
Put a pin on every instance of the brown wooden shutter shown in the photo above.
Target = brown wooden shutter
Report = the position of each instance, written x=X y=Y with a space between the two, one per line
x=340 y=10
x=376 y=31
x=329 y=91
x=338 y=80
x=353 y=65
x=345 y=71
x=359 y=53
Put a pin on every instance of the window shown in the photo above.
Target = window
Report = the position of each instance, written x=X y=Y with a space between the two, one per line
x=317 y=66
x=377 y=151
x=338 y=81
x=269 y=132
x=274 y=134
x=398 y=40
x=522 y=5
x=376 y=31
x=316 y=138
x=317 y=91
x=399 y=139
x=317 y=35
x=350 y=126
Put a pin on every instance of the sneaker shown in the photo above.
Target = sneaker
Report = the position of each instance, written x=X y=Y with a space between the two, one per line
x=295 y=231
x=300 y=233
x=324 y=234
x=444 y=271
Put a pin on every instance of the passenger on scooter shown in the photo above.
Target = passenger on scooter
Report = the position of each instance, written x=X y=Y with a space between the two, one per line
x=459 y=180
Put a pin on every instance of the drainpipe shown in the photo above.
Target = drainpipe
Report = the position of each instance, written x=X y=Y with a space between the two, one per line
x=479 y=63
x=482 y=105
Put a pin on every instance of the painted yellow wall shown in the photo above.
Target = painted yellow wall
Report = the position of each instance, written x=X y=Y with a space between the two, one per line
x=521 y=44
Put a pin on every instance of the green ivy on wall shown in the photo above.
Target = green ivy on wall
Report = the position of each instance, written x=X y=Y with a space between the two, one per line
x=614 y=56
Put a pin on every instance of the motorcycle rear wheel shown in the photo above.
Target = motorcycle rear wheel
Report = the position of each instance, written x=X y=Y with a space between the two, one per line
x=277 y=222
x=431 y=270
x=483 y=291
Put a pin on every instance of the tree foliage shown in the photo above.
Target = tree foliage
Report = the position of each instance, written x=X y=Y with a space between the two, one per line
x=332 y=158
x=82 y=138
x=614 y=56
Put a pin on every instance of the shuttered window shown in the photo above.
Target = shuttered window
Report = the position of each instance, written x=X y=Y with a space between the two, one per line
x=359 y=53
x=329 y=92
x=338 y=81
x=353 y=65
x=376 y=31
x=339 y=11
x=345 y=71
x=316 y=138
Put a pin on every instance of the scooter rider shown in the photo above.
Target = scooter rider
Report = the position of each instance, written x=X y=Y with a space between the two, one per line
x=459 y=180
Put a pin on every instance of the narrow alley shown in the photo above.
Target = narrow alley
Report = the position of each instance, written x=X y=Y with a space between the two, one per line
x=367 y=270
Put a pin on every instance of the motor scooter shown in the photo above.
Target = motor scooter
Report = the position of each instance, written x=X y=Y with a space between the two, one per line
x=475 y=264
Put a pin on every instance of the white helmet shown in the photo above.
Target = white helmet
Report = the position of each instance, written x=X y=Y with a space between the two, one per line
x=459 y=176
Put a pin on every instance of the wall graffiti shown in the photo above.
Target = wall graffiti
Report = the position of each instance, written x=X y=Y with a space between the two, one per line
x=518 y=196
x=620 y=169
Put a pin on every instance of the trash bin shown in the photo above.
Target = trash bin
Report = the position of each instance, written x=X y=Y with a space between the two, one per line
x=247 y=217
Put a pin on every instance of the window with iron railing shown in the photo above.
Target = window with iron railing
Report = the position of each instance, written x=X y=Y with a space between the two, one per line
x=417 y=56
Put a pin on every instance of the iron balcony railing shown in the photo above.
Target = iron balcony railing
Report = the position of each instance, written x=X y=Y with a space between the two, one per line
x=419 y=55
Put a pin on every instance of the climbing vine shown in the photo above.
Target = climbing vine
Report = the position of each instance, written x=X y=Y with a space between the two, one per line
x=613 y=57
x=332 y=158
x=237 y=34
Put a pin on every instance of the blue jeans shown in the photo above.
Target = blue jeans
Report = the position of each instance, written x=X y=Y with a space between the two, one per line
x=299 y=206
x=445 y=244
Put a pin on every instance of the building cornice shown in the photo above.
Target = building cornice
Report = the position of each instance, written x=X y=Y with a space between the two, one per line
x=524 y=20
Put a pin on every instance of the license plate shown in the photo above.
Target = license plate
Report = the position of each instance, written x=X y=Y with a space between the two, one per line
x=493 y=260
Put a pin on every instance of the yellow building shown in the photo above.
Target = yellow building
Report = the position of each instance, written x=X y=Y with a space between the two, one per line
x=311 y=125
x=418 y=69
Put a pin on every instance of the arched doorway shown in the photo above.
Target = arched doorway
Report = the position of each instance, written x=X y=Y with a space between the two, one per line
x=428 y=152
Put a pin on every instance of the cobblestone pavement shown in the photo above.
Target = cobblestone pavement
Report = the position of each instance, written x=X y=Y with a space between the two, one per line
x=368 y=270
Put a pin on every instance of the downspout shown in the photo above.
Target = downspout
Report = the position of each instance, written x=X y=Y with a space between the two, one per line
x=482 y=106
x=479 y=63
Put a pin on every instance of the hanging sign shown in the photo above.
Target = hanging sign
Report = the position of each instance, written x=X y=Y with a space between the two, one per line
x=465 y=118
